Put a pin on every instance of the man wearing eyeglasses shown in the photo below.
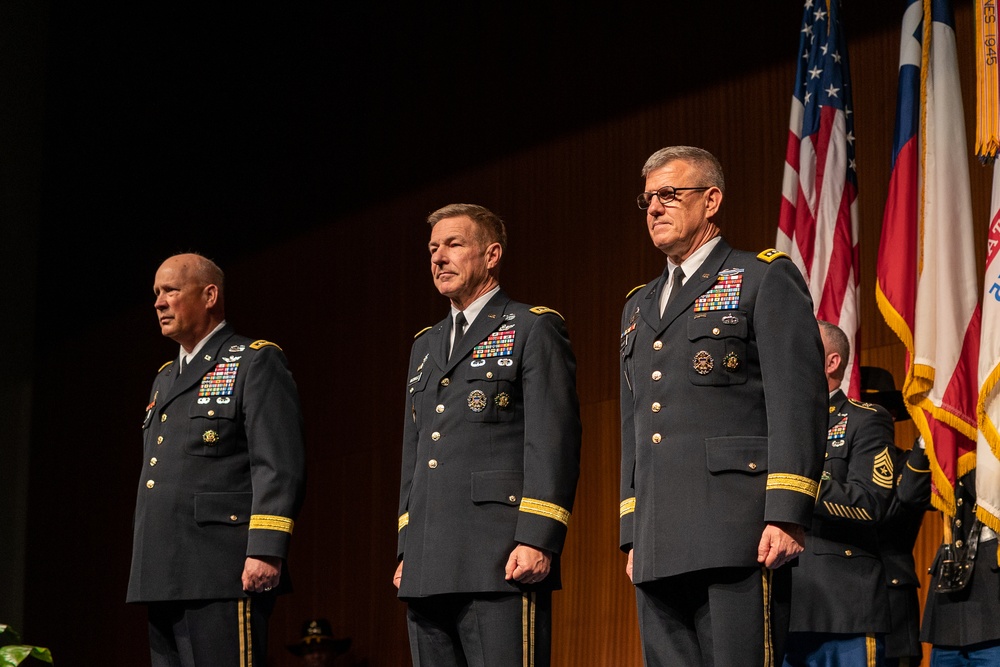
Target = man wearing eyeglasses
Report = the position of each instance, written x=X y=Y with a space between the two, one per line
x=723 y=410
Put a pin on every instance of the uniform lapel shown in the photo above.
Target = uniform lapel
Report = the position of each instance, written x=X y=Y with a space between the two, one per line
x=205 y=360
x=698 y=284
x=487 y=321
x=837 y=402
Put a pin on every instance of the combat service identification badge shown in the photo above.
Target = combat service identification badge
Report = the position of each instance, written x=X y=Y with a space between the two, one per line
x=703 y=363
x=477 y=400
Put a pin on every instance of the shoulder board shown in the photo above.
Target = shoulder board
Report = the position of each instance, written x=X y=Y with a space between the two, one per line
x=866 y=406
x=165 y=365
x=421 y=332
x=634 y=290
x=541 y=310
x=771 y=254
x=257 y=344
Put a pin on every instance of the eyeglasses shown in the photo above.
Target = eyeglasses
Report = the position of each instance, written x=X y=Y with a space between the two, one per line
x=666 y=194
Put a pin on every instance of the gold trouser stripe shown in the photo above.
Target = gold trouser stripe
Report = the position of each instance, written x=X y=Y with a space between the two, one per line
x=528 y=629
x=766 y=575
x=546 y=509
x=626 y=506
x=790 y=482
x=271 y=522
x=404 y=521
x=246 y=638
x=870 y=650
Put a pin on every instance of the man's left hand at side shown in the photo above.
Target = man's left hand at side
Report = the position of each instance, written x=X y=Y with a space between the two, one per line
x=780 y=543
x=527 y=565
x=261 y=574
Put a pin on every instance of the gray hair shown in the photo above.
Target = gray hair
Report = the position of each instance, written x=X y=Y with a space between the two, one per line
x=707 y=164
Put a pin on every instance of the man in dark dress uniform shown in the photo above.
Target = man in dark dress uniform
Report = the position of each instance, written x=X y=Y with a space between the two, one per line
x=491 y=447
x=962 y=611
x=222 y=480
x=723 y=409
x=840 y=606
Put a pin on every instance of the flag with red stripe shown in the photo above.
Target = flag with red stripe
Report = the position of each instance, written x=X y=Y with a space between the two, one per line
x=818 y=225
x=927 y=288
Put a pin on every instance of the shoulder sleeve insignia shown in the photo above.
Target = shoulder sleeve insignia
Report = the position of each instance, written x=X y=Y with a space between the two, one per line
x=771 y=254
x=634 y=290
x=882 y=472
x=421 y=332
x=541 y=310
x=165 y=365
x=257 y=344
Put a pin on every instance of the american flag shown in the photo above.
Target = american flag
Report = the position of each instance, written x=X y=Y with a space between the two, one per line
x=927 y=286
x=818 y=226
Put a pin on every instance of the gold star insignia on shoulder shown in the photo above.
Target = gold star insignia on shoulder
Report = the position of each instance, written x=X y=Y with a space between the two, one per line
x=541 y=310
x=771 y=254
x=257 y=344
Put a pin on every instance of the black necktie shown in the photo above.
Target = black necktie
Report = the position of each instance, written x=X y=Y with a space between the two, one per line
x=459 y=331
x=675 y=286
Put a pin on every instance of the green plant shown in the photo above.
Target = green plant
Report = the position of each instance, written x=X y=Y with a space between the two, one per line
x=13 y=652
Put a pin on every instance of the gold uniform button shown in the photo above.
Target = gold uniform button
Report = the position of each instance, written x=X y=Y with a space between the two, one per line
x=657 y=438
x=848 y=552
x=960 y=501
x=658 y=345
x=715 y=331
x=439 y=409
x=489 y=374
x=150 y=483
x=163 y=417
x=752 y=465
x=656 y=407
x=152 y=461
x=445 y=382
x=958 y=523
x=432 y=463
x=233 y=517
x=959 y=543
x=435 y=436
x=512 y=499
x=211 y=413
x=895 y=582
x=159 y=440
x=657 y=375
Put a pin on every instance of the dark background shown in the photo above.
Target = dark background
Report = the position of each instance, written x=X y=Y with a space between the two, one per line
x=301 y=147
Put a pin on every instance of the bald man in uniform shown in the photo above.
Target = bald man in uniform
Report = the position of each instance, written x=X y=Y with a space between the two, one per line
x=221 y=482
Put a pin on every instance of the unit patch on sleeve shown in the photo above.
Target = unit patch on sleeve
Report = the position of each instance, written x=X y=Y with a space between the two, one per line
x=497 y=344
x=219 y=381
x=724 y=294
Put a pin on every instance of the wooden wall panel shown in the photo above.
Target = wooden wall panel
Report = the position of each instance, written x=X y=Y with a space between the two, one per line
x=344 y=302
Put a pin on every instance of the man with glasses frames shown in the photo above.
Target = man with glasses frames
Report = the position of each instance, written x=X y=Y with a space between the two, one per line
x=723 y=410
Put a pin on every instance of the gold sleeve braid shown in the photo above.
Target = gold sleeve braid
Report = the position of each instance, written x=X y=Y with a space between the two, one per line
x=546 y=509
x=789 y=482
x=626 y=506
x=271 y=522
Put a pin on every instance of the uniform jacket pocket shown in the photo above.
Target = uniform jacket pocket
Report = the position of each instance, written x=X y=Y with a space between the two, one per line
x=497 y=486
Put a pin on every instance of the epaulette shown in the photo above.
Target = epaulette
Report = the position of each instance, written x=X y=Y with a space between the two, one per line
x=257 y=344
x=771 y=254
x=165 y=365
x=866 y=406
x=634 y=290
x=421 y=332
x=541 y=310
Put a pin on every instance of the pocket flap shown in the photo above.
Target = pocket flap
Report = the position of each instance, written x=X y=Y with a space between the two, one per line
x=230 y=508
x=737 y=453
x=212 y=409
x=497 y=486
